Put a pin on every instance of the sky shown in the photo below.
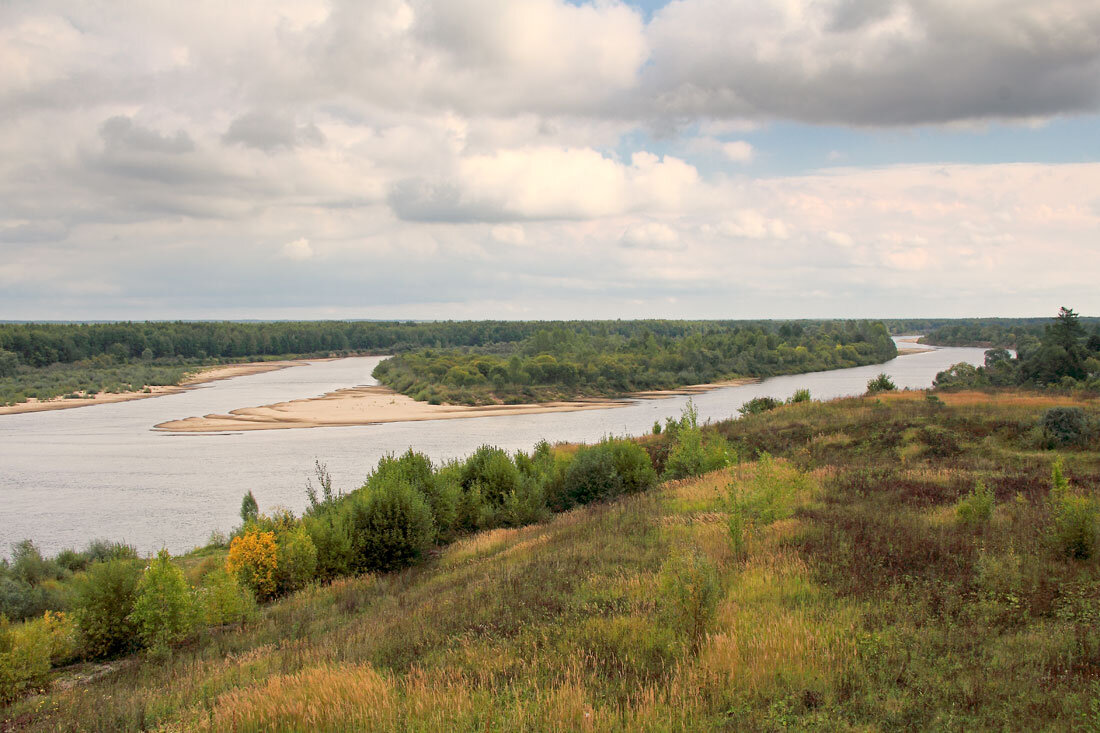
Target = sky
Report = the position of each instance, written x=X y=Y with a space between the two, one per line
x=529 y=159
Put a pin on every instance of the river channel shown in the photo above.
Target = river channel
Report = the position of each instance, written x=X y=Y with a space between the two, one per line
x=69 y=476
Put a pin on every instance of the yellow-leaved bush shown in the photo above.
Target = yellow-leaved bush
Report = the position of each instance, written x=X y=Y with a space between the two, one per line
x=253 y=558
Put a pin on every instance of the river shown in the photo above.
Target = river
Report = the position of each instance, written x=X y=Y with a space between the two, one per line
x=69 y=476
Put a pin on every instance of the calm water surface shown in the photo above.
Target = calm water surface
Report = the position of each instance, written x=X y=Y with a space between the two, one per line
x=72 y=475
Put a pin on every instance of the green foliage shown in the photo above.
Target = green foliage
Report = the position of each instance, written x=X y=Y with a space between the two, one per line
x=164 y=610
x=770 y=495
x=391 y=526
x=24 y=658
x=605 y=471
x=688 y=596
x=800 y=395
x=331 y=539
x=881 y=383
x=691 y=452
x=9 y=363
x=1073 y=517
x=295 y=559
x=976 y=508
x=250 y=510
x=580 y=359
x=103 y=602
x=221 y=599
x=1063 y=427
x=491 y=473
x=757 y=405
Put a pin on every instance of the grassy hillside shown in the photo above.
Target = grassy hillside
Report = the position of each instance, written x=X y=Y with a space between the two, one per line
x=865 y=588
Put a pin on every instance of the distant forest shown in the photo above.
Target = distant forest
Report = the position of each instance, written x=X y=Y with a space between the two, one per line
x=555 y=358
x=589 y=360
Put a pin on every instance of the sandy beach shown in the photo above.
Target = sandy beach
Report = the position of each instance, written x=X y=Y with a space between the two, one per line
x=206 y=374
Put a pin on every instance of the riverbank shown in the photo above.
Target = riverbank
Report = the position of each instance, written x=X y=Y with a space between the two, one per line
x=203 y=376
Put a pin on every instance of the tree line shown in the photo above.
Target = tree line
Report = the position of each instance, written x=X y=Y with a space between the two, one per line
x=557 y=363
x=1060 y=353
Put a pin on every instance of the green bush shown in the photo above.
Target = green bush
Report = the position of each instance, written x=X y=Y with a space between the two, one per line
x=688 y=596
x=103 y=599
x=493 y=472
x=24 y=658
x=221 y=599
x=768 y=498
x=164 y=610
x=1073 y=517
x=295 y=559
x=440 y=491
x=1063 y=427
x=592 y=476
x=800 y=395
x=757 y=405
x=391 y=526
x=881 y=383
x=332 y=540
x=976 y=508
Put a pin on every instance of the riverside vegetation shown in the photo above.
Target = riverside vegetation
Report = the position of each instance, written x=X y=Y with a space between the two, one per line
x=900 y=561
x=467 y=362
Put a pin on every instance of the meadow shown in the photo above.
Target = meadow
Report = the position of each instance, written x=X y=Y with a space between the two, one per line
x=902 y=561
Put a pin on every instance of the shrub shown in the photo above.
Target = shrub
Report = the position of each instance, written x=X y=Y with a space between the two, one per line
x=800 y=395
x=295 y=559
x=976 y=508
x=102 y=603
x=441 y=491
x=881 y=383
x=688 y=596
x=591 y=477
x=757 y=405
x=250 y=510
x=1073 y=516
x=253 y=559
x=1062 y=427
x=939 y=442
x=332 y=540
x=633 y=465
x=221 y=599
x=770 y=495
x=104 y=550
x=492 y=470
x=164 y=611
x=24 y=658
x=525 y=505
x=391 y=526
x=29 y=566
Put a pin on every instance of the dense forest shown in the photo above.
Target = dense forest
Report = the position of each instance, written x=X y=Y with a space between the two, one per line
x=1004 y=333
x=45 y=360
x=1059 y=353
x=591 y=360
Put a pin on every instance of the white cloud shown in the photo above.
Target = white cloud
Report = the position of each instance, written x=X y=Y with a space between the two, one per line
x=739 y=151
x=298 y=250
x=840 y=239
x=508 y=235
x=651 y=235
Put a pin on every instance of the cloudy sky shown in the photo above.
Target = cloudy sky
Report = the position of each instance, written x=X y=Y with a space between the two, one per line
x=542 y=158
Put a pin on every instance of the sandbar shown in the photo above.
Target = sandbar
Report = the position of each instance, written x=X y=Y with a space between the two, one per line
x=368 y=405
x=202 y=376
x=360 y=406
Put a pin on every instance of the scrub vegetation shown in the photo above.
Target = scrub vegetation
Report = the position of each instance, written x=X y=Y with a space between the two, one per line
x=898 y=561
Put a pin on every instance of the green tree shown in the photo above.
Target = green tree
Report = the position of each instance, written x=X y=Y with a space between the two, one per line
x=391 y=526
x=250 y=510
x=103 y=601
x=164 y=611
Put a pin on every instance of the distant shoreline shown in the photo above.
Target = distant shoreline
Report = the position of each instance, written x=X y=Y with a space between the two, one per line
x=204 y=375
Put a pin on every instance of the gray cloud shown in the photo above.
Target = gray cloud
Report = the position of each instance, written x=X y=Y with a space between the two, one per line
x=121 y=133
x=418 y=200
x=269 y=132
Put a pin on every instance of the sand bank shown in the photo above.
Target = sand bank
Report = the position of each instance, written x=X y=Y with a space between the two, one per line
x=360 y=406
x=204 y=375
